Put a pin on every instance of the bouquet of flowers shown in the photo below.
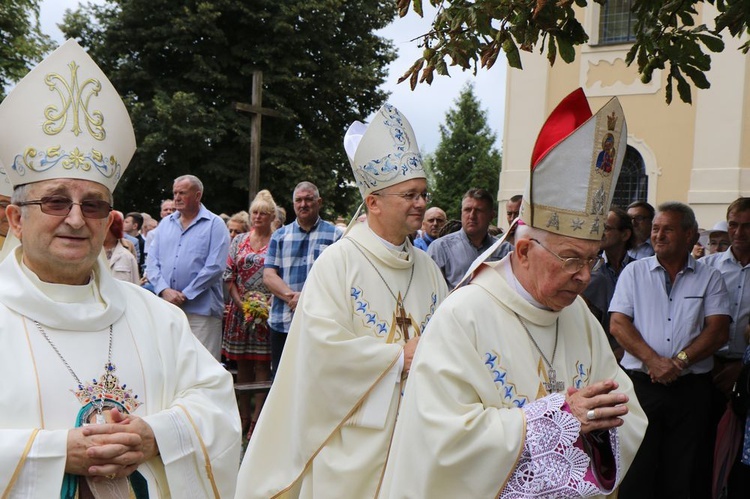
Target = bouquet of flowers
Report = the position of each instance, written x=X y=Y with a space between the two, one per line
x=255 y=307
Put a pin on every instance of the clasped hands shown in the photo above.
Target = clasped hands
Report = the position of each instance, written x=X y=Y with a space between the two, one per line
x=110 y=450
x=664 y=370
x=293 y=299
x=173 y=296
x=597 y=406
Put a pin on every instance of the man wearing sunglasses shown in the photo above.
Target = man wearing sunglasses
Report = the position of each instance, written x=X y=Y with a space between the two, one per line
x=106 y=391
x=514 y=391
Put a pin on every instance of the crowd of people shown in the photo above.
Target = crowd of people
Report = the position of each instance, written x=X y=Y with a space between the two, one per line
x=411 y=356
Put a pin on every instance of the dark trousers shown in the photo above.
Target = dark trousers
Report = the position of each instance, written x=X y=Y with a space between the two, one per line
x=738 y=486
x=677 y=419
x=278 y=339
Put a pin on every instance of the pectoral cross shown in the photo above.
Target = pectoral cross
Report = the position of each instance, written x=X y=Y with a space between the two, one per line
x=402 y=321
x=553 y=385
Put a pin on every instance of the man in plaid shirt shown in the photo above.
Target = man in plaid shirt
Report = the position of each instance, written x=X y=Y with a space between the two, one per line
x=291 y=254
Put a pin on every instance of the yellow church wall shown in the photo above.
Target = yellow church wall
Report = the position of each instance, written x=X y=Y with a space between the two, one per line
x=745 y=144
x=697 y=154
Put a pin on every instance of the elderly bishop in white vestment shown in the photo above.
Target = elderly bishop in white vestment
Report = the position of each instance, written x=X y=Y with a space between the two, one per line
x=88 y=363
x=514 y=391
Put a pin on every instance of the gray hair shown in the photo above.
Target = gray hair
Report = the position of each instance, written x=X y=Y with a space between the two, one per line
x=480 y=195
x=688 y=215
x=306 y=186
x=529 y=232
x=192 y=180
x=20 y=194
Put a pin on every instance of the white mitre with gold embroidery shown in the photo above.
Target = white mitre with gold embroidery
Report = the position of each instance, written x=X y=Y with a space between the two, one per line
x=574 y=168
x=65 y=120
x=383 y=153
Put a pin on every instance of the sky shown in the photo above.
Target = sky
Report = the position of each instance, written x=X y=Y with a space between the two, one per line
x=425 y=107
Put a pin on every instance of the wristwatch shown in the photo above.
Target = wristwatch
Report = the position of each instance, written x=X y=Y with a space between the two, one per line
x=683 y=357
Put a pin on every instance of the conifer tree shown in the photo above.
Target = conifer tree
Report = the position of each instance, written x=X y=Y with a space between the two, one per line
x=465 y=157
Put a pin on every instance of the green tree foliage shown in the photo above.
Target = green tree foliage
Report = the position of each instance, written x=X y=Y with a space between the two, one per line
x=181 y=65
x=465 y=157
x=471 y=34
x=21 y=41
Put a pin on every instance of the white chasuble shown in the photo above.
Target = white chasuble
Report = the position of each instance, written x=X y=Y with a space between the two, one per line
x=325 y=428
x=476 y=421
x=163 y=374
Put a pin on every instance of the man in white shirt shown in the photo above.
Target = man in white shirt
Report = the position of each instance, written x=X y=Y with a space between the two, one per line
x=734 y=265
x=670 y=314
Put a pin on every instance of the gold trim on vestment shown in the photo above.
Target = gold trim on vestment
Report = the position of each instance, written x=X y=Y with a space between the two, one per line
x=518 y=456
x=337 y=428
x=36 y=373
x=209 y=469
x=17 y=471
x=390 y=440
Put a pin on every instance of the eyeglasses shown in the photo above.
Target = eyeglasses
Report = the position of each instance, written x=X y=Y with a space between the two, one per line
x=60 y=206
x=639 y=218
x=573 y=265
x=407 y=196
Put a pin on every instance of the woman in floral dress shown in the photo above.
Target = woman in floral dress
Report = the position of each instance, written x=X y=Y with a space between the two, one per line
x=247 y=341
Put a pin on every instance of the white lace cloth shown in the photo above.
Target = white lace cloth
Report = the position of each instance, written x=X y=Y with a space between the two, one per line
x=550 y=465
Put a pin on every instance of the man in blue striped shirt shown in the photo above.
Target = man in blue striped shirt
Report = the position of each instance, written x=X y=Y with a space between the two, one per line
x=291 y=254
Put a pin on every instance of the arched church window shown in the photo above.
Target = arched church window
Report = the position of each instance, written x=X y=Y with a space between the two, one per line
x=632 y=184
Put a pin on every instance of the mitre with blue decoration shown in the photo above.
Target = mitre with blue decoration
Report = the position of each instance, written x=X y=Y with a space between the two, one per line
x=65 y=120
x=383 y=153
x=574 y=168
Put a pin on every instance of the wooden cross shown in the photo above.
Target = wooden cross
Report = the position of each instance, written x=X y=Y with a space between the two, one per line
x=401 y=320
x=256 y=110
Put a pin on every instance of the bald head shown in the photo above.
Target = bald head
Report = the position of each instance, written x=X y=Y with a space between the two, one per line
x=434 y=220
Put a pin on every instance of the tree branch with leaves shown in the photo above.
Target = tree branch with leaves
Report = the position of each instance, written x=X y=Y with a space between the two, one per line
x=471 y=34
x=22 y=42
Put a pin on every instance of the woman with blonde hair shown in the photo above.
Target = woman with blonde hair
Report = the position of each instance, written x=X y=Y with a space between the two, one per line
x=246 y=336
x=239 y=223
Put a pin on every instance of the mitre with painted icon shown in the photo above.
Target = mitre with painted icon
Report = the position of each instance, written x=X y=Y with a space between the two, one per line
x=574 y=168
